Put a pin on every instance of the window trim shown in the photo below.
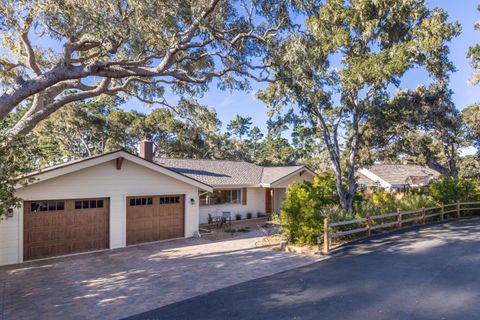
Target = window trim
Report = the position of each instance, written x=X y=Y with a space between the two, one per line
x=209 y=197
x=163 y=200
x=47 y=205
x=142 y=201
x=86 y=204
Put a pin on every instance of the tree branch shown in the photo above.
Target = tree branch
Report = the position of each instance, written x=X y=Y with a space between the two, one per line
x=27 y=123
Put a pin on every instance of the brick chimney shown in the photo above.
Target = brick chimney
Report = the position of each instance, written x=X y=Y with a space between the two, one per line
x=146 y=149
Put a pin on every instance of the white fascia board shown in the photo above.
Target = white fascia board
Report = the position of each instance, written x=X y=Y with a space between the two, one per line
x=235 y=186
x=372 y=176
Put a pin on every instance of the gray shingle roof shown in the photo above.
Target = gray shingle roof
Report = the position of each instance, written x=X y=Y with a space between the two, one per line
x=396 y=174
x=226 y=173
x=365 y=181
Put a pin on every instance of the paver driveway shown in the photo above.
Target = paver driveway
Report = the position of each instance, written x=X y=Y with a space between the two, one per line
x=427 y=273
x=119 y=283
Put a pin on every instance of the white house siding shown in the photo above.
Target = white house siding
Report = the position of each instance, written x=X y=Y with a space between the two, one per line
x=9 y=239
x=101 y=181
x=255 y=203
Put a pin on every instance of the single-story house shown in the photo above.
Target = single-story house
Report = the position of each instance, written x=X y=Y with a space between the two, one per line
x=395 y=177
x=118 y=199
x=239 y=187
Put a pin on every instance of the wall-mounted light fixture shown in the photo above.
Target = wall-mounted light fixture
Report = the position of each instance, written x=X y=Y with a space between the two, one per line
x=10 y=213
x=192 y=200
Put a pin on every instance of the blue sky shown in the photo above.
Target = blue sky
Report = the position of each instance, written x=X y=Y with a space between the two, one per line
x=228 y=104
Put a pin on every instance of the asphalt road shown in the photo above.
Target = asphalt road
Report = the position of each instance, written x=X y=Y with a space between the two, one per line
x=431 y=272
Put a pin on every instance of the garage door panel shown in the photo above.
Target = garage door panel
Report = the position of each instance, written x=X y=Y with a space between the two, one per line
x=65 y=230
x=154 y=220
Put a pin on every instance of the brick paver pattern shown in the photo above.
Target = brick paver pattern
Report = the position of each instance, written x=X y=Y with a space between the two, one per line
x=119 y=283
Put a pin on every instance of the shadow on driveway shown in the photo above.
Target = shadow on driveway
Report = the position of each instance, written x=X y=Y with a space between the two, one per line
x=430 y=272
x=118 y=283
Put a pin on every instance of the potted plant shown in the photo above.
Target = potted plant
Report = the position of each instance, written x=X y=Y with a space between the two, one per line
x=249 y=215
x=238 y=216
x=261 y=214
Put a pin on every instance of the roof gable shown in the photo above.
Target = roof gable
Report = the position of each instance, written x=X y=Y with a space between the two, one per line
x=398 y=174
x=73 y=166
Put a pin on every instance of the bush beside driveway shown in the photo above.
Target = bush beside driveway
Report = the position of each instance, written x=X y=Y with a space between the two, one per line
x=120 y=283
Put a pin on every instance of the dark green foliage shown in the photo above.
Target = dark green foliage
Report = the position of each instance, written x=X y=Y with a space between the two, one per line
x=448 y=190
x=14 y=162
x=301 y=215
x=471 y=118
x=341 y=66
x=239 y=126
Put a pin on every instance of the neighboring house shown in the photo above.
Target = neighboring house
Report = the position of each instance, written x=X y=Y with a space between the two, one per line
x=118 y=199
x=395 y=177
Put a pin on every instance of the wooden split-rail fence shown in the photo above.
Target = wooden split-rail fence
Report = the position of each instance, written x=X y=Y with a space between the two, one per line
x=397 y=220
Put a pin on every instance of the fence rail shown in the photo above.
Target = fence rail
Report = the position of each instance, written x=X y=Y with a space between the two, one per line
x=369 y=223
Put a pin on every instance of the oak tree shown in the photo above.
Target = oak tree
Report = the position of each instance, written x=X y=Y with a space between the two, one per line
x=132 y=48
x=344 y=63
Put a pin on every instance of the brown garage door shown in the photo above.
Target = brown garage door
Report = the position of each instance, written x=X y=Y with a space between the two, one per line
x=153 y=218
x=58 y=227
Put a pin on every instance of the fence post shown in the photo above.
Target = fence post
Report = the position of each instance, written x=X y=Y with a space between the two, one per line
x=326 y=236
x=399 y=218
x=423 y=215
x=458 y=208
x=369 y=225
x=442 y=212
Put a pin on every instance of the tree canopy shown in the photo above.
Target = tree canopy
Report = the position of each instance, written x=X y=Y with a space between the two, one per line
x=131 y=48
x=334 y=84
x=376 y=42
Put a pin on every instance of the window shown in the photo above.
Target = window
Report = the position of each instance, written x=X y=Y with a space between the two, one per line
x=38 y=206
x=88 y=204
x=221 y=197
x=169 y=200
x=141 y=201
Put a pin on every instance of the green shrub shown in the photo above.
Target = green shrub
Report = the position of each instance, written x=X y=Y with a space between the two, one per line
x=230 y=230
x=300 y=216
x=415 y=201
x=382 y=202
x=449 y=190
x=275 y=217
x=325 y=190
x=305 y=206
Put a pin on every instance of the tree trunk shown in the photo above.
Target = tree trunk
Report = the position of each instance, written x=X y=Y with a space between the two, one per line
x=330 y=137
x=432 y=163
x=352 y=183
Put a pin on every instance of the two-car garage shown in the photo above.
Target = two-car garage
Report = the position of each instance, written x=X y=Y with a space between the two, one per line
x=104 y=202
x=60 y=227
